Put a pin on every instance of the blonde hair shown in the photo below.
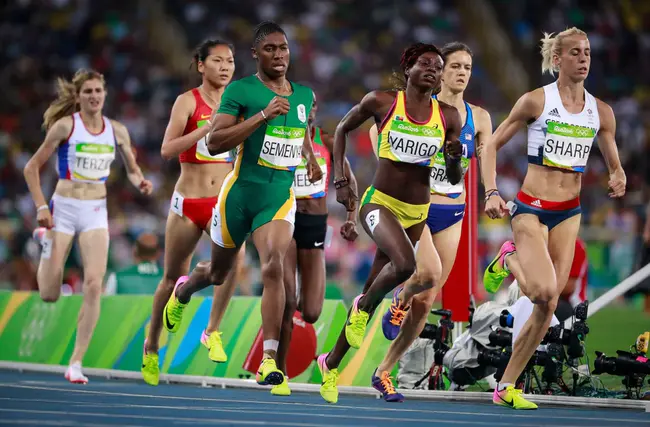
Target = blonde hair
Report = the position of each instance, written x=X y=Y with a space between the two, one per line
x=66 y=101
x=552 y=45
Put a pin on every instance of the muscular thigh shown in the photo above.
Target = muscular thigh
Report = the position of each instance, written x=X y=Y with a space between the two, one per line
x=387 y=232
x=561 y=246
x=428 y=263
x=181 y=237
x=531 y=241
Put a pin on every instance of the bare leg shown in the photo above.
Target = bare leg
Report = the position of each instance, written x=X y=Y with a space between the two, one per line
x=94 y=254
x=272 y=241
x=442 y=251
x=222 y=295
x=290 y=305
x=52 y=263
x=181 y=237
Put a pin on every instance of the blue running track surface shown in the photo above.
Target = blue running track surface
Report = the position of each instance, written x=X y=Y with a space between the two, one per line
x=49 y=400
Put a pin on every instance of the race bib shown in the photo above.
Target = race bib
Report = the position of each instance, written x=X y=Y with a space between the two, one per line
x=567 y=146
x=303 y=188
x=177 y=204
x=438 y=176
x=93 y=161
x=411 y=143
x=282 y=147
x=202 y=152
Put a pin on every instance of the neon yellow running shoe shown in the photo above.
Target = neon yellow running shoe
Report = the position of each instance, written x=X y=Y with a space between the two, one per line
x=497 y=271
x=355 y=328
x=328 y=389
x=281 y=389
x=215 y=346
x=512 y=398
x=150 y=369
x=173 y=312
x=268 y=373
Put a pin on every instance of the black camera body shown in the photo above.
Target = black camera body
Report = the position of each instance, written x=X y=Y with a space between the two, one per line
x=633 y=367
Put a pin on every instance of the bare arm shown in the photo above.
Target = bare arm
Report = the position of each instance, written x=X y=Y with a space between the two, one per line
x=528 y=107
x=452 y=147
x=374 y=137
x=227 y=134
x=607 y=145
x=174 y=142
x=57 y=133
x=133 y=171
x=352 y=120
x=483 y=129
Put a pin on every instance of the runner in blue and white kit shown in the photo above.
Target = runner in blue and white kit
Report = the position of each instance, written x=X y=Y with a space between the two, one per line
x=85 y=142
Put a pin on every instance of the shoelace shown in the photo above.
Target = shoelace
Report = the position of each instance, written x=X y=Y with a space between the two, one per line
x=331 y=378
x=358 y=320
x=214 y=338
x=176 y=312
x=398 y=314
x=387 y=383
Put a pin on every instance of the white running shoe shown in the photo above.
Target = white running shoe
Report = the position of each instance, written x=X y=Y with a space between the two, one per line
x=74 y=374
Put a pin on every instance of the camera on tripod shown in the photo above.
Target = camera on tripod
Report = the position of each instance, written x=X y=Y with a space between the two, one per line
x=633 y=366
x=440 y=335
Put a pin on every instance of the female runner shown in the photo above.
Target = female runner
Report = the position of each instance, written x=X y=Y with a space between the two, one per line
x=306 y=252
x=195 y=195
x=85 y=142
x=414 y=127
x=563 y=120
x=435 y=255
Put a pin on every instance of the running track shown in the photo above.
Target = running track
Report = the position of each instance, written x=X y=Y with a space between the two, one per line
x=49 y=400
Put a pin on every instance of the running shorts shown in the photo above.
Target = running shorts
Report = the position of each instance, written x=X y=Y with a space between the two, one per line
x=243 y=207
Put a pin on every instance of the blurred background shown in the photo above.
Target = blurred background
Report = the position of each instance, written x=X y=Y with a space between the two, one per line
x=342 y=49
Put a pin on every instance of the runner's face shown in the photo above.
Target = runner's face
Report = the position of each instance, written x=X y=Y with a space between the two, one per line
x=458 y=70
x=575 y=59
x=273 y=54
x=91 y=96
x=427 y=71
x=219 y=66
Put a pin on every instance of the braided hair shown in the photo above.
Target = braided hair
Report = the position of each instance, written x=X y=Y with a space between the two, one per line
x=408 y=59
x=265 y=28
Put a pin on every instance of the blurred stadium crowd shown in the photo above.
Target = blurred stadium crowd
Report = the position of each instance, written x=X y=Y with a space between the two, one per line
x=342 y=49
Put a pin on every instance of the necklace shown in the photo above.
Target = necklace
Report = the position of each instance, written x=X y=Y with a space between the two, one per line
x=283 y=87
x=208 y=95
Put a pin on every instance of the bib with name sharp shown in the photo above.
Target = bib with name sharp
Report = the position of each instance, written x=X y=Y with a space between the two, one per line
x=567 y=146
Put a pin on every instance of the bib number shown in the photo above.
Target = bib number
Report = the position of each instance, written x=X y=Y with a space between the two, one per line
x=303 y=188
x=282 y=147
x=567 y=146
x=177 y=204
x=202 y=152
x=411 y=143
x=93 y=161
x=372 y=220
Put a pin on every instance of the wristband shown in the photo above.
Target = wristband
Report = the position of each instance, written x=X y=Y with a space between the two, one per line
x=263 y=115
x=42 y=208
x=492 y=193
x=340 y=182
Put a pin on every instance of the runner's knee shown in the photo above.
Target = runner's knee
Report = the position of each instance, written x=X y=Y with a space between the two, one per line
x=427 y=277
x=272 y=270
x=542 y=291
x=404 y=266
x=92 y=288
x=423 y=302
x=310 y=314
x=51 y=294
x=49 y=288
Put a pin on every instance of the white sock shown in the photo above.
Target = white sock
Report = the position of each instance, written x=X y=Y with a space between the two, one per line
x=505 y=260
x=271 y=345
x=503 y=386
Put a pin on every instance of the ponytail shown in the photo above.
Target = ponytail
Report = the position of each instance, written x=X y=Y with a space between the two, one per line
x=65 y=103
x=552 y=46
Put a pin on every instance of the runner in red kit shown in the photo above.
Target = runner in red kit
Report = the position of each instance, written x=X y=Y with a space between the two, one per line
x=195 y=195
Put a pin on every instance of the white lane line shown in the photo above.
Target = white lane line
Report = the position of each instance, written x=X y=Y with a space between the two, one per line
x=168 y=419
x=498 y=413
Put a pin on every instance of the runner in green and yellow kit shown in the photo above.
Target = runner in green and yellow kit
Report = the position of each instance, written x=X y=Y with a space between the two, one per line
x=257 y=196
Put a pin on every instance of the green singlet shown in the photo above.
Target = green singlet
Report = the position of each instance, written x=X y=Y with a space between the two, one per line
x=258 y=190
